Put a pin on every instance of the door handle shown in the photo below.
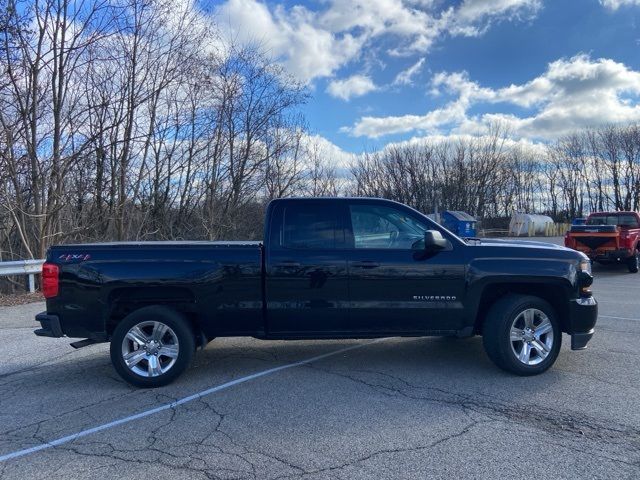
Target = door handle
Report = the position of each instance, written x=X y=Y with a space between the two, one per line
x=366 y=264
x=287 y=264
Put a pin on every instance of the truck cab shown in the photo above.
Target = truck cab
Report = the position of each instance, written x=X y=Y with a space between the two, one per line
x=323 y=266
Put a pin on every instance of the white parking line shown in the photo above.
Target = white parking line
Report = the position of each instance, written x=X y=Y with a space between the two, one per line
x=614 y=302
x=620 y=318
x=167 y=406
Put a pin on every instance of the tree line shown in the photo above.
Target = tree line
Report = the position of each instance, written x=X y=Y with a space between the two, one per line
x=490 y=176
x=133 y=119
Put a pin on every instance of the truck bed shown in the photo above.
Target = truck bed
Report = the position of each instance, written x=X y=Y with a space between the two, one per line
x=220 y=282
x=167 y=243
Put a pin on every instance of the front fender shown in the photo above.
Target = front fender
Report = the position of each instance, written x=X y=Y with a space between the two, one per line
x=519 y=274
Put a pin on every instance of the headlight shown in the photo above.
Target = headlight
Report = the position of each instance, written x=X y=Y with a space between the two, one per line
x=585 y=279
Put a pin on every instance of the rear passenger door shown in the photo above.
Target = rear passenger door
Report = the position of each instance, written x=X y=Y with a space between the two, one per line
x=306 y=269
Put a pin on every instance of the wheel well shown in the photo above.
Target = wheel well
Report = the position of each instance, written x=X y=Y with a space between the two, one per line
x=123 y=301
x=554 y=294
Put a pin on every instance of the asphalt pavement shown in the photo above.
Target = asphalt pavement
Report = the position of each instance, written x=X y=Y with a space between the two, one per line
x=392 y=408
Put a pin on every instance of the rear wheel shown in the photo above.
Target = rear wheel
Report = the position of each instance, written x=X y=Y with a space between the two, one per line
x=522 y=335
x=152 y=346
x=633 y=263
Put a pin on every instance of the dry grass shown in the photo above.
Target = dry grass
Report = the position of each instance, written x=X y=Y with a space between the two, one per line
x=7 y=300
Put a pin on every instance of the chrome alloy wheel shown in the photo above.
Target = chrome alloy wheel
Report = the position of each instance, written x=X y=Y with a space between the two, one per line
x=150 y=349
x=531 y=336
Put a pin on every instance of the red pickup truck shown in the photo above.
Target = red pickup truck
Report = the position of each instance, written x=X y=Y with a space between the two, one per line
x=608 y=237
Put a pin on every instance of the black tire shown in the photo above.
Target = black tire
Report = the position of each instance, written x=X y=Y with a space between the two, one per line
x=633 y=263
x=178 y=331
x=496 y=335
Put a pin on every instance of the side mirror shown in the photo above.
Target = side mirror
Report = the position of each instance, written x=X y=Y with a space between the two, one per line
x=433 y=241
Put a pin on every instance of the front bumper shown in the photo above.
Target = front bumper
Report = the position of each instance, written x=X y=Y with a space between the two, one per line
x=583 y=314
x=50 y=326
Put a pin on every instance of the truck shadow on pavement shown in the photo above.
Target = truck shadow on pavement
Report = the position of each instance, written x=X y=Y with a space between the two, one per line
x=610 y=268
x=224 y=359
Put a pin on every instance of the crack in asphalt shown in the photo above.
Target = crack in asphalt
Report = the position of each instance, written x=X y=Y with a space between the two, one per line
x=59 y=416
x=565 y=424
x=217 y=454
x=598 y=379
x=387 y=451
x=184 y=400
x=36 y=366
x=159 y=449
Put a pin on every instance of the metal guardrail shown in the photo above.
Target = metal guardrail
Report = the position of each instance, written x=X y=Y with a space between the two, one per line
x=491 y=232
x=22 y=267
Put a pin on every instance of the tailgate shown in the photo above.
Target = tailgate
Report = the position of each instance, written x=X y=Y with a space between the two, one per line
x=595 y=237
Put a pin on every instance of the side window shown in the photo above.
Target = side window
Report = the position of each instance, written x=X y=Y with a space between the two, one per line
x=384 y=227
x=309 y=226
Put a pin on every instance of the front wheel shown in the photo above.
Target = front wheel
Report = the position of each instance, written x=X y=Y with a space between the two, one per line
x=152 y=346
x=522 y=335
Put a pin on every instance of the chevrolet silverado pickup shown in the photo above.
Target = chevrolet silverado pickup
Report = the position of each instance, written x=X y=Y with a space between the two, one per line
x=608 y=237
x=327 y=268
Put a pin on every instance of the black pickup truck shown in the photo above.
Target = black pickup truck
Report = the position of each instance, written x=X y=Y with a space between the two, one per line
x=328 y=268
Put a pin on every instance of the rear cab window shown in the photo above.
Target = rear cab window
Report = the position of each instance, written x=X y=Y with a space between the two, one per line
x=622 y=220
x=308 y=225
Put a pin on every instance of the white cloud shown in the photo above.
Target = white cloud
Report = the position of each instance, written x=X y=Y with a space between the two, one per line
x=375 y=127
x=573 y=93
x=329 y=151
x=405 y=77
x=458 y=83
x=537 y=148
x=316 y=43
x=450 y=115
x=616 y=4
x=354 y=86
x=291 y=36
x=473 y=17
x=576 y=93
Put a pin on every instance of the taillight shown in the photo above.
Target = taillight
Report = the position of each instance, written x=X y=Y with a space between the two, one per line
x=50 y=280
x=625 y=239
x=569 y=241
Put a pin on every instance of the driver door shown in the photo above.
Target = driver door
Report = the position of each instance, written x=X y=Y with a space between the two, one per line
x=393 y=288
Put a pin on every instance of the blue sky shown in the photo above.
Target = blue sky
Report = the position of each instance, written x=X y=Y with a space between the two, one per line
x=383 y=71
